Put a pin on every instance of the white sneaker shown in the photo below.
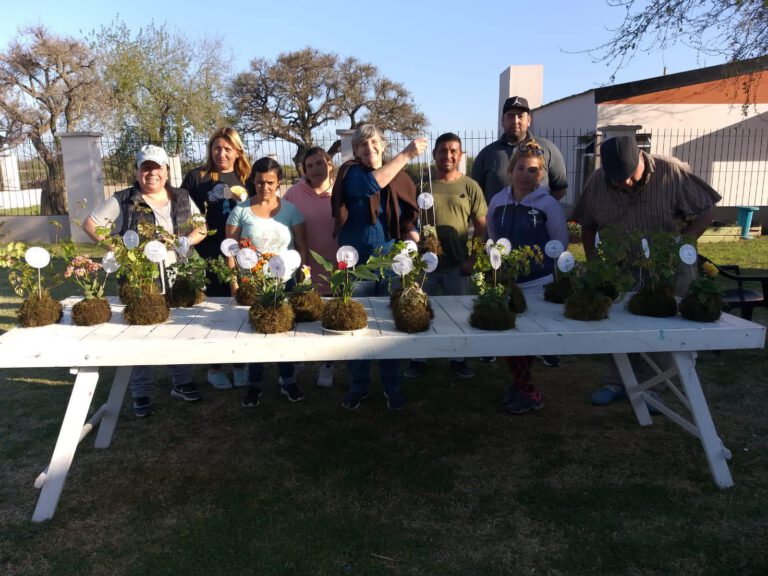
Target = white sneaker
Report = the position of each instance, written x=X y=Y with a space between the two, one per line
x=218 y=380
x=325 y=375
x=240 y=377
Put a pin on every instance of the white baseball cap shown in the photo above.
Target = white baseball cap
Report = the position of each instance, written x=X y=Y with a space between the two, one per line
x=152 y=153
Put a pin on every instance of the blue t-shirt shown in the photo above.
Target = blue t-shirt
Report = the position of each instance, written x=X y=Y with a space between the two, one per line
x=358 y=231
x=273 y=234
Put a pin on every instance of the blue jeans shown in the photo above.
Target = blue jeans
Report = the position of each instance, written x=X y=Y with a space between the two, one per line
x=360 y=370
x=143 y=378
x=284 y=369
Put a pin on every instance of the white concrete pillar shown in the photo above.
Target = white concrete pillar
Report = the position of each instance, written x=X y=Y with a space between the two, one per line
x=9 y=169
x=346 y=144
x=83 y=177
x=174 y=170
x=526 y=81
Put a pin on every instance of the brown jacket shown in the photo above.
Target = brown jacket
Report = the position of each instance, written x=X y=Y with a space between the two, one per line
x=400 y=188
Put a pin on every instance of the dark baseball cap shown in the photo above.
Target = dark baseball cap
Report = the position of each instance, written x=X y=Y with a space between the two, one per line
x=515 y=102
x=619 y=157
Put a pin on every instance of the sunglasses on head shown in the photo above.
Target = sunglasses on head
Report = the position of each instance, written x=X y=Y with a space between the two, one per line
x=533 y=149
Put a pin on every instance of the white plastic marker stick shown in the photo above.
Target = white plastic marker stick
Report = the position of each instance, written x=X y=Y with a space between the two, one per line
x=183 y=247
x=155 y=251
x=566 y=262
x=597 y=239
x=430 y=259
x=229 y=247
x=247 y=258
x=402 y=264
x=110 y=265
x=688 y=254
x=646 y=249
x=553 y=249
x=292 y=260
x=348 y=255
x=38 y=258
x=411 y=247
x=277 y=267
x=505 y=246
x=131 y=239
x=495 y=256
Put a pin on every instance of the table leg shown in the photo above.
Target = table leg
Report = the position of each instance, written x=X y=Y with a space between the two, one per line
x=714 y=449
x=112 y=407
x=634 y=392
x=66 y=444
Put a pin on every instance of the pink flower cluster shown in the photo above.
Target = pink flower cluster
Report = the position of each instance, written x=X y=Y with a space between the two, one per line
x=81 y=267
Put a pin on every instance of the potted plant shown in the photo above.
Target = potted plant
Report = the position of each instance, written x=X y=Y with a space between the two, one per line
x=496 y=267
x=306 y=302
x=702 y=303
x=93 y=308
x=248 y=270
x=410 y=305
x=341 y=313
x=658 y=262
x=271 y=312
x=38 y=307
x=141 y=273
x=590 y=281
x=186 y=279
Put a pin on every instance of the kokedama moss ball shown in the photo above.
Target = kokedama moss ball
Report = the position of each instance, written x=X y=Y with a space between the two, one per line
x=584 y=306
x=182 y=295
x=307 y=306
x=271 y=320
x=412 y=311
x=246 y=294
x=340 y=315
x=658 y=303
x=692 y=308
x=91 y=312
x=39 y=310
x=490 y=317
x=517 y=302
x=146 y=309
x=127 y=293
x=558 y=290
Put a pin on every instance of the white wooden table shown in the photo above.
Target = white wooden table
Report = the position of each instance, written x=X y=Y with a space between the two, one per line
x=217 y=331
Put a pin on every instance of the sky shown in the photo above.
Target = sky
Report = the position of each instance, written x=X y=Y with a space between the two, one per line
x=448 y=54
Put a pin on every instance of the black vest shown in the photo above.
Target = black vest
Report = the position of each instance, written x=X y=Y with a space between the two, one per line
x=130 y=201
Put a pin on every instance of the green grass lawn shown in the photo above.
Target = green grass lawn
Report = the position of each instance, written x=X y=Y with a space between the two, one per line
x=449 y=486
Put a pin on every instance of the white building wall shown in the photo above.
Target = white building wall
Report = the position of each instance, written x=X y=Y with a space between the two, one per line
x=721 y=145
x=575 y=113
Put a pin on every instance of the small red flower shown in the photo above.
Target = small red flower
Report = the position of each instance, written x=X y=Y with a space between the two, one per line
x=245 y=280
x=342 y=265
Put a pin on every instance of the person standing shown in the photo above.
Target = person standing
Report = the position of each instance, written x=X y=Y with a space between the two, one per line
x=458 y=202
x=637 y=191
x=151 y=196
x=490 y=166
x=312 y=196
x=273 y=225
x=527 y=215
x=216 y=188
x=374 y=204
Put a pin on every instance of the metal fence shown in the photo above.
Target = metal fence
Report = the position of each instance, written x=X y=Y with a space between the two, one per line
x=734 y=161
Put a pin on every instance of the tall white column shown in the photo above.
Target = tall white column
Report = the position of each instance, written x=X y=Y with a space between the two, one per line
x=346 y=144
x=83 y=176
x=9 y=168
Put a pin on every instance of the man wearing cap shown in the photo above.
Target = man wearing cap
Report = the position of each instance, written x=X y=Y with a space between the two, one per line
x=490 y=166
x=637 y=191
x=152 y=199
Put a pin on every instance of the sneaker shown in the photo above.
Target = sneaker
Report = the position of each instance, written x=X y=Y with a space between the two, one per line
x=187 y=392
x=143 y=407
x=292 y=392
x=395 y=400
x=414 y=369
x=519 y=402
x=461 y=369
x=240 y=377
x=550 y=361
x=608 y=394
x=488 y=358
x=325 y=375
x=218 y=380
x=352 y=400
x=252 y=396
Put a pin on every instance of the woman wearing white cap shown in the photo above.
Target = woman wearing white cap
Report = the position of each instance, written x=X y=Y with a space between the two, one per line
x=151 y=196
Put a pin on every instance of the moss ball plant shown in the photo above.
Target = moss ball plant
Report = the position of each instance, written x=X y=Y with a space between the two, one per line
x=147 y=307
x=412 y=311
x=91 y=312
x=247 y=293
x=183 y=295
x=344 y=315
x=39 y=309
x=587 y=306
x=271 y=319
x=706 y=310
x=658 y=303
x=492 y=316
x=558 y=290
x=307 y=306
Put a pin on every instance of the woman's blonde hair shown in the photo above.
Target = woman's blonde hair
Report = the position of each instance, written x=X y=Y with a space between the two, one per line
x=242 y=166
x=365 y=132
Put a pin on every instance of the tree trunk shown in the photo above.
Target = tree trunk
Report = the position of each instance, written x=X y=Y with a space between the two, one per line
x=301 y=149
x=53 y=197
x=334 y=149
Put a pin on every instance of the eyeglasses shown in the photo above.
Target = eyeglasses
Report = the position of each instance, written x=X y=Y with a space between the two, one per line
x=532 y=149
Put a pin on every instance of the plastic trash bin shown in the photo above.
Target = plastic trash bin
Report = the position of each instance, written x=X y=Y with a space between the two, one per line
x=744 y=219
